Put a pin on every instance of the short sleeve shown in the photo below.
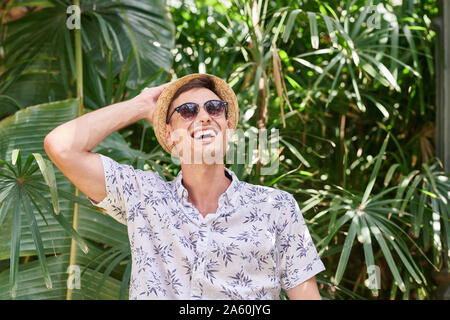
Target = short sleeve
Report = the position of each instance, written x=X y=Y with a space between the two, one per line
x=298 y=257
x=121 y=187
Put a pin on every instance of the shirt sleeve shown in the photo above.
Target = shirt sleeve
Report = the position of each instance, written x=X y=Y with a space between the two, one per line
x=298 y=257
x=121 y=186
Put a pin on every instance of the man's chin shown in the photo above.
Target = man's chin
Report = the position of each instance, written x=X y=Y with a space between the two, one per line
x=201 y=153
x=207 y=154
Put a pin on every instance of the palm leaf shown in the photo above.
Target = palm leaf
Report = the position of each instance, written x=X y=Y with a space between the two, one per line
x=41 y=41
x=387 y=254
x=31 y=285
x=364 y=238
x=27 y=129
x=374 y=174
x=348 y=244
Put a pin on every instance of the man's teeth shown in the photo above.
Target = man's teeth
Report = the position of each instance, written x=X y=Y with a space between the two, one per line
x=204 y=134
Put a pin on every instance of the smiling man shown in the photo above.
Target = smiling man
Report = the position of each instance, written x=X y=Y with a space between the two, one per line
x=206 y=234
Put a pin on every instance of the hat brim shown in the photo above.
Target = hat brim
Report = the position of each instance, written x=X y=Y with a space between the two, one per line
x=161 y=108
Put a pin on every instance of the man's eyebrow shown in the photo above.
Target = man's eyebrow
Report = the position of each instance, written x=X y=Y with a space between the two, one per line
x=220 y=99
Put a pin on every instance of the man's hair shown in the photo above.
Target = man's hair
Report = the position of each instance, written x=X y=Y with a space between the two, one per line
x=201 y=82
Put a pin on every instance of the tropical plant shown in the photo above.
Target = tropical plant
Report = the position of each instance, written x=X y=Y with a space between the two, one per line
x=347 y=96
x=111 y=42
x=345 y=83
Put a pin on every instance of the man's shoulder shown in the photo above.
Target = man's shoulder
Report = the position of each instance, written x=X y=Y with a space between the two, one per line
x=275 y=193
x=113 y=166
x=145 y=176
x=152 y=177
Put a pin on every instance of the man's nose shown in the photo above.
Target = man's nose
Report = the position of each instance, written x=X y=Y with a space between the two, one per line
x=202 y=115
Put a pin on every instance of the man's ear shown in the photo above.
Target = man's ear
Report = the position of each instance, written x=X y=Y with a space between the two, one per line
x=169 y=140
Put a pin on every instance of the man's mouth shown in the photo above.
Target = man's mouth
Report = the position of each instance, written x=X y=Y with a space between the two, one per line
x=204 y=135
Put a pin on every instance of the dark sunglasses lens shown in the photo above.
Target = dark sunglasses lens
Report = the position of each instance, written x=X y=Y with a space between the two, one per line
x=189 y=111
x=215 y=107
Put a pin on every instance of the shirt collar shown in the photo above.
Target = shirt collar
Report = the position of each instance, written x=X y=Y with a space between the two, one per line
x=230 y=195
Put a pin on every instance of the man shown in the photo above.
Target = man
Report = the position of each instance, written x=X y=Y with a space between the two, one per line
x=204 y=235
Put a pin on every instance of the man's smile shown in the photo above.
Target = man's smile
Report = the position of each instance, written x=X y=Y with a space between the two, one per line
x=204 y=135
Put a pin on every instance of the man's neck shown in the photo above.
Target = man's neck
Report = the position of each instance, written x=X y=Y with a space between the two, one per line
x=205 y=184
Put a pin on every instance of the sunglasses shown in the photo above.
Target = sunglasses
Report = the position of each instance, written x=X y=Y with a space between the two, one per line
x=189 y=110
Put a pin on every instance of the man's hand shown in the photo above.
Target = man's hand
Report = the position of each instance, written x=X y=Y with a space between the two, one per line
x=148 y=97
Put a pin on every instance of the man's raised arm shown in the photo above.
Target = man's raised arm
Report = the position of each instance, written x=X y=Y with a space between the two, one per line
x=69 y=145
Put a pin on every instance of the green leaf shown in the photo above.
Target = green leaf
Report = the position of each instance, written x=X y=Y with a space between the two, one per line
x=411 y=189
x=348 y=244
x=387 y=254
x=374 y=174
x=37 y=240
x=418 y=218
x=332 y=93
x=290 y=24
x=339 y=223
x=403 y=184
x=364 y=237
x=14 y=155
x=27 y=169
x=49 y=177
x=324 y=72
x=125 y=71
x=359 y=102
x=412 y=46
x=6 y=191
x=380 y=107
x=406 y=260
x=7 y=204
x=390 y=173
x=61 y=220
x=384 y=71
x=313 y=29
x=361 y=18
x=109 y=269
x=125 y=280
x=309 y=65
x=349 y=43
x=10 y=167
x=331 y=29
x=103 y=30
x=30 y=284
x=296 y=152
x=15 y=245
x=277 y=31
x=158 y=169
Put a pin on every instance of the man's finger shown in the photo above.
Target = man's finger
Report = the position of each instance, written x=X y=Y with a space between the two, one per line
x=163 y=86
x=158 y=88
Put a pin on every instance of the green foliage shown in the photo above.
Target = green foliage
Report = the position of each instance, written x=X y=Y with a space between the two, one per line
x=125 y=46
x=354 y=104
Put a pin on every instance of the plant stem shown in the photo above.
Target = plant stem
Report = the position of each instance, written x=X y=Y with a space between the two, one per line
x=79 y=80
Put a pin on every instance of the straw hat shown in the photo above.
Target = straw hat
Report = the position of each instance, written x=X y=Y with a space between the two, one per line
x=162 y=105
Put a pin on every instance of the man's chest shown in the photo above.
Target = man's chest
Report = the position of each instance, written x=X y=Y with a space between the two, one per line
x=223 y=241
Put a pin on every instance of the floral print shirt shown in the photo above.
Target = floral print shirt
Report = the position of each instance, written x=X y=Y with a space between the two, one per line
x=255 y=244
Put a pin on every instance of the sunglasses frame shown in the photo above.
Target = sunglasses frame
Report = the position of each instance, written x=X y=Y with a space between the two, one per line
x=177 y=109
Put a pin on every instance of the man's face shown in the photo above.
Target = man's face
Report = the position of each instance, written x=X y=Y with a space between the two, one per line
x=190 y=146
